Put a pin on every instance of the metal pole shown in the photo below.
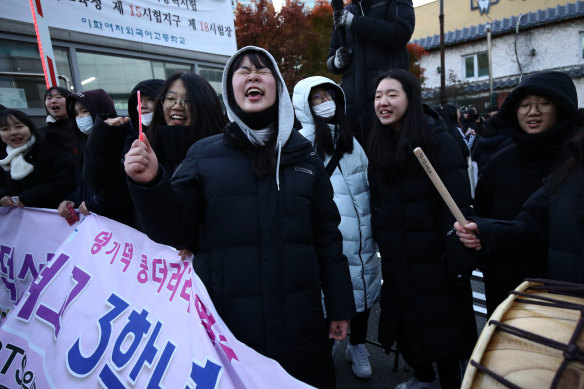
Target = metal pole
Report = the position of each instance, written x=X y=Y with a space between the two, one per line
x=36 y=75
x=490 y=64
x=442 y=66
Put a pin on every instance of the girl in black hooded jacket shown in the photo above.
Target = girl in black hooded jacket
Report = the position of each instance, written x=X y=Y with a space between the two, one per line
x=551 y=222
x=185 y=109
x=260 y=203
x=540 y=114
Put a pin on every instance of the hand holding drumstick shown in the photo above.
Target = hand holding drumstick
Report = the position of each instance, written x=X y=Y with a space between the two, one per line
x=460 y=219
x=468 y=235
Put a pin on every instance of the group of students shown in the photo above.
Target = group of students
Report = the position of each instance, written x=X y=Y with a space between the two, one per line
x=285 y=211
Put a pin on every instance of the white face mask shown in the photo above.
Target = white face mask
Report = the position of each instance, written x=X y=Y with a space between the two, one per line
x=85 y=124
x=147 y=118
x=325 y=110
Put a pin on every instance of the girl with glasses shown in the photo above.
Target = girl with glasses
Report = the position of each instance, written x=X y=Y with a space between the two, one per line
x=319 y=105
x=539 y=115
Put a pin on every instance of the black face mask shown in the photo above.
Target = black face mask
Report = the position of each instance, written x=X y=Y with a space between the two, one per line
x=174 y=141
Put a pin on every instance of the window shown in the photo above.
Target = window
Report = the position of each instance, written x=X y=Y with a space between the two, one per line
x=214 y=76
x=476 y=65
x=22 y=92
x=118 y=75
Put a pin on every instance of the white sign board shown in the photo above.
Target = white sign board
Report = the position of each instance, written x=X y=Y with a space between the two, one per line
x=200 y=25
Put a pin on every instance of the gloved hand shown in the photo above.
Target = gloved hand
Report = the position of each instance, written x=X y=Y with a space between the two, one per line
x=342 y=58
x=343 y=18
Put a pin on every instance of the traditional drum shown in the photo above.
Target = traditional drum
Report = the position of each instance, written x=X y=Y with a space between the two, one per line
x=534 y=339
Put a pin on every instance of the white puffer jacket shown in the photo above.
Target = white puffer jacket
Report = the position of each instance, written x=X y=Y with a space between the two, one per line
x=351 y=188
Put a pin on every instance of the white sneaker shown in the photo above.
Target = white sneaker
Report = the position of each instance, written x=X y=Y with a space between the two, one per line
x=414 y=383
x=359 y=357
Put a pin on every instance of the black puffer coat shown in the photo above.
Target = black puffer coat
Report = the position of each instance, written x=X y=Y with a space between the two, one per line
x=53 y=177
x=263 y=254
x=103 y=171
x=494 y=140
x=267 y=246
x=59 y=132
x=426 y=298
x=377 y=39
x=551 y=221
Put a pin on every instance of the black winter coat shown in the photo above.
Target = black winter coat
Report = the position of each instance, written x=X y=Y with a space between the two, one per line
x=488 y=145
x=104 y=174
x=506 y=182
x=59 y=133
x=52 y=178
x=426 y=298
x=552 y=221
x=377 y=39
x=264 y=254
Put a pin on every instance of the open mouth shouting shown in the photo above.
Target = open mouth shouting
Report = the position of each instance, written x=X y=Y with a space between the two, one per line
x=254 y=93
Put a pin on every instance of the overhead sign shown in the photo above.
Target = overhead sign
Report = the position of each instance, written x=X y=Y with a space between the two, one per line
x=201 y=25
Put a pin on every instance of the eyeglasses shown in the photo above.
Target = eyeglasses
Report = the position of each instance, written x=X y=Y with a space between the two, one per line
x=245 y=72
x=169 y=102
x=524 y=107
x=318 y=98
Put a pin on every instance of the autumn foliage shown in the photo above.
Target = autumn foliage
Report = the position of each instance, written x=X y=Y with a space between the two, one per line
x=298 y=39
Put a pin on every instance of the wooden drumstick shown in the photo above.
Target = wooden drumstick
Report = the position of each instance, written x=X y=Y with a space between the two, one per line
x=440 y=186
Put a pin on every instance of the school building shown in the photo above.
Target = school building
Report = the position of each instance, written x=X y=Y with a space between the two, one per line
x=111 y=45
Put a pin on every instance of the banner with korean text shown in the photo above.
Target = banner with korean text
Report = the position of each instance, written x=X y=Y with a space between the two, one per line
x=113 y=309
x=201 y=25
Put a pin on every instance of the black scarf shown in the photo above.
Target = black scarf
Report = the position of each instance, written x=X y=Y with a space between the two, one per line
x=546 y=144
x=257 y=120
x=172 y=143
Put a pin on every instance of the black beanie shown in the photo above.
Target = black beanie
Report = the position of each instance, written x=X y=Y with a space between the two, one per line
x=96 y=101
x=556 y=86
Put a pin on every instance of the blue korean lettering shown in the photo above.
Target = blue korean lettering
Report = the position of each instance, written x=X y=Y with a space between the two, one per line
x=137 y=325
x=205 y=377
x=78 y=364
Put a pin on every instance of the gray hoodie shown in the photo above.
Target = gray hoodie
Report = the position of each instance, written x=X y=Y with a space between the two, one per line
x=285 y=110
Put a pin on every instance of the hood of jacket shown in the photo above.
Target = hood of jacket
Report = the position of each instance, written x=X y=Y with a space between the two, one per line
x=150 y=88
x=97 y=102
x=556 y=86
x=300 y=100
x=285 y=110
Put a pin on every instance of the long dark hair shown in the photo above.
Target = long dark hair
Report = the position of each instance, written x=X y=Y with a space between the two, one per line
x=323 y=139
x=264 y=162
x=389 y=148
x=205 y=112
x=21 y=117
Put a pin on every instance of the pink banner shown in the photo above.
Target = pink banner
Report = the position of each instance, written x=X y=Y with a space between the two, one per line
x=113 y=307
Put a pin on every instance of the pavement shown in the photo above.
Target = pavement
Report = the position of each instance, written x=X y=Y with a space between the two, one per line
x=382 y=364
